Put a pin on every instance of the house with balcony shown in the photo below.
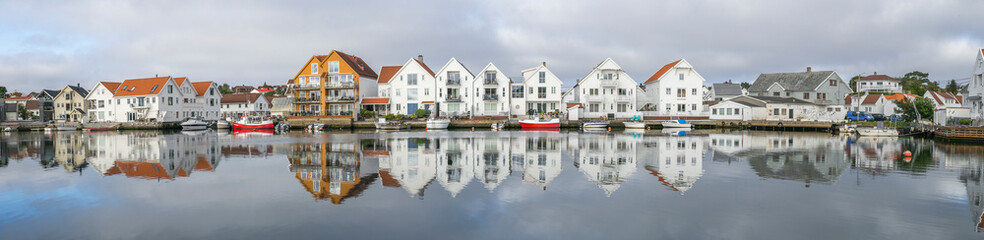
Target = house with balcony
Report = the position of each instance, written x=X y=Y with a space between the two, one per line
x=820 y=87
x=947 y=107
x=879 y=83
x=538 y=92
x=453 y=82
x=492 y=88
x=46 y=101
x=70 y=104
x=101 y=104
x=238 y=105
x=606 y=91
x=331 y=85
x=676 y=89
x=160 y=99
x=972 y=99
x=407 y=88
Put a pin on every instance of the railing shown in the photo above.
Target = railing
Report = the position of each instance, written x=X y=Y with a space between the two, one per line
x=454 y=82
x=306 y=100
x=594 y=98
x=623 y=98
x=341 y=85
x=608 y=83
x=134 y=105
x=490 y=97
x=306 y=86
x=453 y=98
x=340 y=98
x=491 y=82
x=305 y=113
x=541 y=95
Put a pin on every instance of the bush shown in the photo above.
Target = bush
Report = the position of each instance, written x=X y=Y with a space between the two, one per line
x=420 y=113
x=367 y=113
x=389 y=116
x=401 y=116
x=965 y=122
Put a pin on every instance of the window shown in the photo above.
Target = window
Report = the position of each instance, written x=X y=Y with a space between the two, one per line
x=693 y=107
x=333 y=67
x=170 y=101
x=593 y=91
x=490 y=77
x=593 y=107
x=553 y=90
x=412 y=79
x=681 y=107
x=681 y=76
x=622 y=107
x=397 y=92
x=314 y=68
x=714 y=112
x=693 y=92
x=517 y=91
x=668 y=91
x=833 y=83
x=737 y=111
x=806 y=95
x=543 y=77
x=681 y=92
x=426 y=91
x=775 y=111
x=170 y=89
x=541 y=92
x=667 y=107
x=412 y=94
x=729 y=111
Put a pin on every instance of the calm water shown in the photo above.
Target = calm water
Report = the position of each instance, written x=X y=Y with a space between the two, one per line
x=487 y=185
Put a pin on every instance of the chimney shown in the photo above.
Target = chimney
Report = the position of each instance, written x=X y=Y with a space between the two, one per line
x=809 y=69
x=544 y=63
x=876 y=73
x=420 y=58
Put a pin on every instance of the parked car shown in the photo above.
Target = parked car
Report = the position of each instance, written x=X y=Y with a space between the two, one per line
x=895 y=118
x=878 y=117
x=858 y=116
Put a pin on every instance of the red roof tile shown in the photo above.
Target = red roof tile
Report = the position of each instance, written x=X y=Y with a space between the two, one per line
x=141 y=86
x=871 y=99
x=662 y=71
x=427 y=102
x=240 y=98
x=111 y=86
x=570 y=105
x=425 y=67
x=388 y=179
x=201 y=87
x=357 y=64
x=375 y=100
x=386 y=73
x=180 y=80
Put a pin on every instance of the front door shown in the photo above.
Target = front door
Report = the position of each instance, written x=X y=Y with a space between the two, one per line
x=411 y=107
x=790 y=113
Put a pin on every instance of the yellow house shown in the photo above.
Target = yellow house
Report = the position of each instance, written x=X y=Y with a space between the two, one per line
x=328 y=171
x=70 y=104
x=332 y=85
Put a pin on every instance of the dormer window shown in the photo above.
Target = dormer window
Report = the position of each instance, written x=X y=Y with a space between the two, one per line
x=833 y=83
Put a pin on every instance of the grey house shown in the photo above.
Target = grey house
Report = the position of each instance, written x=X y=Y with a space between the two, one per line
x=721 y=91
x=822 y=87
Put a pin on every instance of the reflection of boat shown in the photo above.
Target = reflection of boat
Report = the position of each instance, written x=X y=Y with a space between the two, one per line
x=106 y=128
x=877 y=131
x=253 y=123
x=676 y=124
x=382 y=124
x=540 y=129
x=194 y=132
x=253 y=132
x=540 y=123
x=438 y=123
x=222 y=124
x=595 y=125
x=194 y=124
x=635 y=125
x=675 y=131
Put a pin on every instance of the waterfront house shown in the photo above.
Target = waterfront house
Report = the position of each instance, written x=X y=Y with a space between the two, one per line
x=876 y=103
x=160 y=99
x=280 y=106
x=101 y=104
x=203 y=100
x=492 y=88
x=722 y=91
x=238 y=105
x=746 y=108
x=879 y=83
x=329 y=171
x=331 y=85
x=46 y=100
x=975 y=89
x=676 y=89
x=453 y=82
x=408 y=88
x=607 y=162
x=16 y=104
x=538 y=92
x=947 y=107
x=70 y=104
x=242 y=89
x=822 y=87
x=676 y=162
x=606 y=91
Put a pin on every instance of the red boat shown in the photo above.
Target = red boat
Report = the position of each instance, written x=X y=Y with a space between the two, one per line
x=253 y=123
x=539 y=123
x=253 y=131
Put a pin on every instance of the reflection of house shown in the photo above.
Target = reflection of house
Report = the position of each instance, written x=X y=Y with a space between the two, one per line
x=70 y=151
x=149 y=155
x=607 y=161
x=807 y=157
x=972 y=174
x=677 y=161
x=455 y=164
x=538 y=157
x=411 y=163
x=492 y=154
x=875 y=155
x=329 y=170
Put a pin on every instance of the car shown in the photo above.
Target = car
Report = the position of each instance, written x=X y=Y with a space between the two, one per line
x=858 y=116
x=878 y=117
x=895 y=118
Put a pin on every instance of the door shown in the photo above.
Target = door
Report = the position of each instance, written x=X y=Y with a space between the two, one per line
x=411 y=107
x=790 y=113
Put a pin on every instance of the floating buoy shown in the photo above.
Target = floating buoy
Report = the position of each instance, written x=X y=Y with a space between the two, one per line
x=473 y=129
x=907 y=154
x=647 y=127
x=907 y=159
x=609 y=129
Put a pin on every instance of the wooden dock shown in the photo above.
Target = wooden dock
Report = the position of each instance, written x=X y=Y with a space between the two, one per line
x=959 y=133
x=770 y=125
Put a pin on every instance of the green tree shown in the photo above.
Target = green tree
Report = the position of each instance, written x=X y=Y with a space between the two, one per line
x=853 y=84
x=745 y=85
x=22 y=112
x=953 y=87
x=3 y=92
x=225 y=89
x=918 y=83
x=924 y=106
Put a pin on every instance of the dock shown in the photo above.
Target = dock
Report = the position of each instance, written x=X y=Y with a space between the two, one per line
x=810 y=126
x=959 y=133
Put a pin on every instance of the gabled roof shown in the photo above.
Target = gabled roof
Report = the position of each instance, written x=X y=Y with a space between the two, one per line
x=375 y=100
x=799 y=81
x=424 y=66
x=358 y=65
x=662 y=71
x=940 y=96
x=78 y=89
x=240 y=98
x=321 y=58
x=29 y=96
x=111 y=86
x=386 y=73
x=868 y=99
x=877 y=77
x=726 y=89
x=201 y=87
x=32 y=104
x=180 y=80
x=141 y=86
x=446 y=65
x=899 y=96
x=50 y=93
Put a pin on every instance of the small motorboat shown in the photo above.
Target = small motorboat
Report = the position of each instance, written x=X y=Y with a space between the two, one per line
x=382 y=124
x=540 y=123
x=253 y=123
x=222 y=124
x=676 y=124
x=847 y=129
x=498 y=125
x=595 y=125
x=315 y=127
x=877 y=132
x=60 y=128
x=635 y=125
x=438 y=123
x=193 y=124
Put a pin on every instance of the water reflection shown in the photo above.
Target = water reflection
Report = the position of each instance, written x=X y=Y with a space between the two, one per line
x=676 y=160
x=329 y=170
x=786 y=156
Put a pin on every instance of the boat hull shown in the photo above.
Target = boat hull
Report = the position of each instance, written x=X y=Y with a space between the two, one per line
x=676 y=124
x=554 y=123
x=595 y=125
x=222 y=124
x=873 y=132
x=236 y=125
x=635 y=125
x=438 y=124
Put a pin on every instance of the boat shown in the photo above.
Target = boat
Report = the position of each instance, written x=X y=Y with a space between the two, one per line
x=253 y=132
x=540 y=123
x=847 y=129
x=315 y=127
x=676 y=124
x=253 y=123
x=222 y=124
x=194 y=124
x=635 y=125
x=877 y=132
x=60 y=128
x=498 y=125
x=595 y=125
x=382 y=124
x=438 y=123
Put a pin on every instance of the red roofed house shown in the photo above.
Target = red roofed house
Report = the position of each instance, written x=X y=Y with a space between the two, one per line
x=162 y=99
x=876 y=103
x=947 y=107
x=409 y=87
x=245 y=104
x=879 y=83
x=676 y=89
x=331 y=85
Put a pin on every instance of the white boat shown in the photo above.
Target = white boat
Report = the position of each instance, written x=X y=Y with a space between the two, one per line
x=223 y=124
x=60 y=128
x=382 y=124
x=635 y=125
x=194 y=124
x=540 y=123
x=438 y=123
x=498 y=126
x=676 y=124
x=877 y=132
x=316 y=127
x=595 y=125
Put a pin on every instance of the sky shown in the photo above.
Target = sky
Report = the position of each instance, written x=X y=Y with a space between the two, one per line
x=48 y=44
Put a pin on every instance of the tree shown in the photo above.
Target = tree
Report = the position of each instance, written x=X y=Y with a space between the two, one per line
x=22 y=112
x=918 y=83
x=3 y=92
x=745 y=85
x=953 y=87
x=225 y=89
x=853 y=84
x=924 y=105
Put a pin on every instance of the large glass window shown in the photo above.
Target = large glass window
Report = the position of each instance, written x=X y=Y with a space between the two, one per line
x=517 y=91
x=332 y=67
x=412 y=94
x=543 y=77
x=412 y=79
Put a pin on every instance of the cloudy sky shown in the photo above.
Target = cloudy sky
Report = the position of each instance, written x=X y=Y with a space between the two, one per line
x=47 y=44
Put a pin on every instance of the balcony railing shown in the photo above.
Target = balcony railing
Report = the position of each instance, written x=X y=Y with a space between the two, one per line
x=306 y=113
x=623 y=98
x=134 y=105
x=490 y=97
x=306 y=86
x=491 y=82
x=340 y=99
x=594 y=98
x=453 y=98
x=454 y=82
x=307 y=100
x=608 y=83
x=341 y=85
x=541 y=95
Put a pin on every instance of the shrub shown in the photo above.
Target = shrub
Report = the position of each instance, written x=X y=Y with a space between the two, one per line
x=401 y=116
x=389 y=116
x=420 y=113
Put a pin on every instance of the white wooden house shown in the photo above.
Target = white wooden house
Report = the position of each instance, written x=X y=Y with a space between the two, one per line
x=607 y=91
x=453 y=82
x=676 y=90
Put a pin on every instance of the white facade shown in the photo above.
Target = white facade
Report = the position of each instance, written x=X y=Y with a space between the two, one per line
x=729 y=110
x=492 y=88
x=676 y=90
x=879 y=83
x=102 y=107
x=607 y=161
x=160 y=99
x=607 y=91
x=676 y=160
x=453 y=82
x=412 y=87
x=975 y=89
x=539 y=91
x=775 y=109
x=245 y=105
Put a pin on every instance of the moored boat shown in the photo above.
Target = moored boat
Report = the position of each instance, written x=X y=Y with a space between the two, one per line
x=222 y=124
x=382 y=124
x=595 y=125
x=438 y=123
x=635 y=125
x=315 y=127
x=877 y=132
x=540 y=123
x=253 y=123
x=194 y=124
x=676 y=124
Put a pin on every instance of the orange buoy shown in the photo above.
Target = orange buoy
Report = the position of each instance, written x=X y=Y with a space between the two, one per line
x=609 y=129
x=907 y=154
x=907 y=159
x=473 y=129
